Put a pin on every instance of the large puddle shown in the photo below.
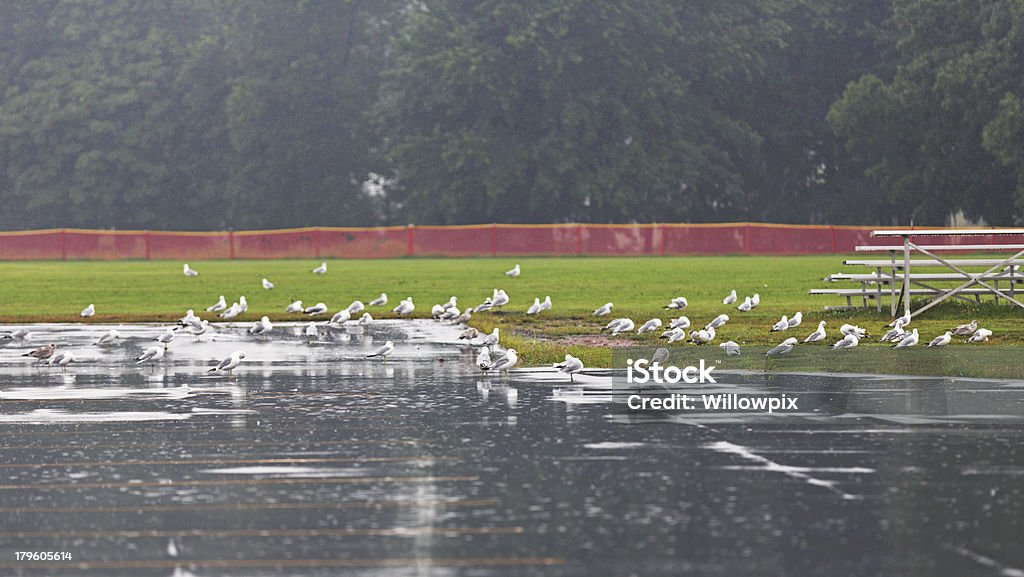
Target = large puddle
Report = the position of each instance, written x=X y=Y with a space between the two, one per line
x=314 y=460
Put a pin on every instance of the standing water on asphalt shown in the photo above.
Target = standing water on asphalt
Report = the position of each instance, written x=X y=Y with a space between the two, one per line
x=314 y=460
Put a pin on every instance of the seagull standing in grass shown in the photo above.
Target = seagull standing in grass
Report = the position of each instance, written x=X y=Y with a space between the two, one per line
x=189 y=271
x=268 y=285
x=677 y=304
x=730 y=298
x=356 y=307
x=322 y=269
x=684 y=323
x=782 y=325
x=491 y=340
x=980 y=336
x=217 y=306
x=535 y=307
x=941 y=340
x=570 y=366
x=317 y=309
x=108 y=337
x=603 y=309
x=755 y=300
x=782 y=348
x=379 y=301
x=674 y=335
x=619 y=326
x=967 y=329
x=243 y=305
x=795 y=320
x=848 y=329
x=229 y=364
x=703 y=336
x=150 y=355
x=513 y=272
x=88 y=311
x=295 y=307
x=500 y=299
x=649 y=326
x=731 y=348
x=545 y=305
x=383 y=351
x=233 y=311
x=901 y=321
x=718 y=321
x=745 y=306
x=818 y=335
x=405 y=307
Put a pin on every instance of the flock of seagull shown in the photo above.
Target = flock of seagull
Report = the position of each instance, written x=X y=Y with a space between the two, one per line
x=490 y=356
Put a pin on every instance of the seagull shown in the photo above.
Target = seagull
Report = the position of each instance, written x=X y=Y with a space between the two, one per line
x=660 y=356
x=730 y=298
x=379 y=301
x=149 y=355
x=795 y=320
x=383 y=351
x=715 y=323
x=311 y=331
x=745 y=306
x=341 y=317
x=603 y=309
x=818 y=335
x=217 y=306
x=782 y=348
x=452 y=302
x=782 y=325
x=703 y=336
x=730 y=347
x=677 y=304
x=619 y=326
x=513 y=272
x=535 y=307
x=187 y=319
x=436 y=311
x=261 y=327
x=243 y=305
x=405 y=307
x=464 y=318
x=500 y=299
x=484 y=306
x=295 y=307
x=895 y=334
x=449 y=314
x=847 y=342
x=848 y=329
x=755 y=300
x=19 y=334
x=365 y=320
x=649 y=326
x=322 y=269
x=317 y=309
x=908 y=341
x=62 y=359
x=42 y=353
x=189 y=271
x=198 y=331
x=483 y=358
x=980 y=336
x=491 y=340
x=356 y=307
x=941 y=340
x=506 y=362
x=545 y=304
x=967 y=329
x=469 y=334
x=267 y=284
x=901 y=321
x=88 y=311
x=683 y=323
x=233 y=311
x=166 y=338
x=673 y=335
x=570 y=366
x=229 y=364
x=108 y=337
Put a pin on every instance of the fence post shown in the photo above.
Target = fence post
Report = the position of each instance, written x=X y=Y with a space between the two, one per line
x=579 y=239
x=494 y=239
x=231 y=243
x=145 y=241
x=410 y=240
x=64 y=244
x=316 y=241
x=661 y=233
x=746 y=238
x=832 y=231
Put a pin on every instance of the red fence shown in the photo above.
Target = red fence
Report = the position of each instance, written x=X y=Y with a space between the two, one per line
x=469 y=240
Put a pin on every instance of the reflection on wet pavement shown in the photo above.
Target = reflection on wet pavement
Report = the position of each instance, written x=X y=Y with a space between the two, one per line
x=313 y=460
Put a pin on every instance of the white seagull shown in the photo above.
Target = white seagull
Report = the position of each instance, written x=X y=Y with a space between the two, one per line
x=500 y=298
x=233 y=311
x=357 y=306
x=383 y=351
x=513 y=272
x=341 y=317
x=619 y=326
x=673 y=335
x=295 y=307
x=108 y=337
x=677 y=304
x=796 y=319
x=649 y=326
x=755 y=300
x=967 y=329
x=782 y=325
x=261 y=327
x=941 y=340
x=88 y=311
x=683 y=323
x=535 y=307
x=703 y=336
x=405 y=307
x=570 y=366
x=217 y=306
x=317 y=309
x=322 y=269
x=847 y=342
x=980 y=336
x=267 y=284
x=311 y=331
x=189 y=271
x=818 y=335
x=545 y=304
x=908 y=341
x=506 y=362
x=379 y=301
x=365 y=320
x=848 y=329
x=229 y=364
x=483 y=358
x=901 y=321
x=151 y=354
x=745 y=306
x=243 y=305
x=603 y=309
x=491 y=340
x=716 y=322
x=731 y=347
x=782 y=348
x=166 y=338
x=729 y=299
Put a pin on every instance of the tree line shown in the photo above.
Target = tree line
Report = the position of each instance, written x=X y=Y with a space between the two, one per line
x=188 y=114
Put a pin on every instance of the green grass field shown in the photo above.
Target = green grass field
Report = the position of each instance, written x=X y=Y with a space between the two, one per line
x=140 y=291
